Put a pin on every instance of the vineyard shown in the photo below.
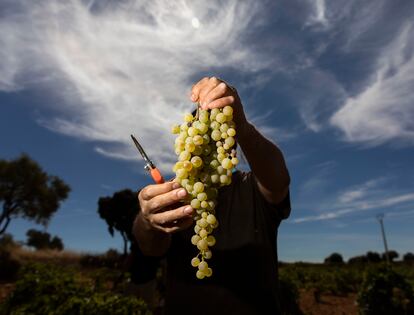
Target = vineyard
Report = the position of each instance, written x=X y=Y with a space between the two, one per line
x=44 y=282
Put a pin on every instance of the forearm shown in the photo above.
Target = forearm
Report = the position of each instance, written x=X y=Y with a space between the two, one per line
x=266 y=162
x=152 y=242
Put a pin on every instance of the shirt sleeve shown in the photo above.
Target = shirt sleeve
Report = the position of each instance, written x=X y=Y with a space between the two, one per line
x=280 y=210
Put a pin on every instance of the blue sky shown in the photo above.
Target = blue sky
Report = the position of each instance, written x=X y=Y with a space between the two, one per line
x=330 y=82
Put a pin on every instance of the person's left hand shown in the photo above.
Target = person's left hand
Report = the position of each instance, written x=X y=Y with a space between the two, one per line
x=215 y=93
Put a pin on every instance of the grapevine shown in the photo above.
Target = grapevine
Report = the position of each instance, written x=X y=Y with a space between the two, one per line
x=206 y=158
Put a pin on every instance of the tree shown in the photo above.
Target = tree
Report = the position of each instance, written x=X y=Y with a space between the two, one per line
x=29 y=192
x=42 y=240
x=358 y=260
x=334 y=258
x=119 y=212
x=408 y=257
x=373 y=257
x=392 y=254
x=56 y=243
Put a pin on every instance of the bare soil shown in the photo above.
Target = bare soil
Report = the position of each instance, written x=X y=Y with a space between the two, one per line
x=327 y=304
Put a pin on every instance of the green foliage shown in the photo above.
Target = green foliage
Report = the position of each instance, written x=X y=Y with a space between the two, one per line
x=46 y=289
x=43 y=240
x=7 y=242
x=408 y=258
x=392 y=255
x=27 y=191
x=334 y=258
x=119 y=212
x=335 y=279
x=384 y=292
x=111 y=259
x=8 y=266
x=373 y=257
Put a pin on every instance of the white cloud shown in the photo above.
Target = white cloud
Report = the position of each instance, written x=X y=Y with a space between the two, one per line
x=122 y=67
x=318 y=16
x=384 y=110
x=370 y=195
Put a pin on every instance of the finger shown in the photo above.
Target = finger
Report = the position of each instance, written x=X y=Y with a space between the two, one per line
x=212 y=83
x=168 y=217
x=195 y=90
x=179 y=225
x=218 y=92
x=151 y=191
x=221 y=102
x=164 y=200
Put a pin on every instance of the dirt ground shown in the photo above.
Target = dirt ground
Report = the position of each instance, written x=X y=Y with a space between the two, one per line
x=328 y=304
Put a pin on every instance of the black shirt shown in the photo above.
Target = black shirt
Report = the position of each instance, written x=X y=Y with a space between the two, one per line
x=244 y=260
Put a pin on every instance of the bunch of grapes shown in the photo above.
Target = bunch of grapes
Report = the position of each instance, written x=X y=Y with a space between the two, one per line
x=206 y=158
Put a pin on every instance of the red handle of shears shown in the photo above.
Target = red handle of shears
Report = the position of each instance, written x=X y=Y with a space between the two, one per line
x=156 y=175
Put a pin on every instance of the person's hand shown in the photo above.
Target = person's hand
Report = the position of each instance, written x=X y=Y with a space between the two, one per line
x=215 y=93
x=159 y=207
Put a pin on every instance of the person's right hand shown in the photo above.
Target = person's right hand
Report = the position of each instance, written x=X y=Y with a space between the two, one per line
x=159 y=207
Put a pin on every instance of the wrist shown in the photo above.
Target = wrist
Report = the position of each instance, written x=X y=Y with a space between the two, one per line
x=150 y=240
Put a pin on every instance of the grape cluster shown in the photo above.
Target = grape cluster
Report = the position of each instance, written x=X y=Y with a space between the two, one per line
x=206 y=158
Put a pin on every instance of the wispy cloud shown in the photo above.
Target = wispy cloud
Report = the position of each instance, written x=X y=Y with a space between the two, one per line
x=122 y=67
x=319 y=14
x=319 y=178
x=383 y=111
x=370 y=195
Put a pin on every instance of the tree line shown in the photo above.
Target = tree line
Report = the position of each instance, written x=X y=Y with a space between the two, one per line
x=369 y=257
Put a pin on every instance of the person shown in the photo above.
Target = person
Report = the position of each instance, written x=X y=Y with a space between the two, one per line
x=249 y=212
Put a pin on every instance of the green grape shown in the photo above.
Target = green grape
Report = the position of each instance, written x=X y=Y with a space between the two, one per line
x=195 y=262
x=211 y=240
x=221 y=118
x=205 y=163
x=190 y=147
x=181 y=173
x=195 y=239
x=203 y=233
x=202 y=196
x=207 y=254
x=208 y=272
x=188 y=166
x=195 y=203
x=198 y=187
x=229 y=141
x=203 y=266
x=202 y=245
x=231 y=132
x=198 y=140
x=199 y=274
x=224 y=127
x=188 y=117
x=216 y=135
x=175 y=129
x=228 y=110
x=184 y=156
x=197 y=161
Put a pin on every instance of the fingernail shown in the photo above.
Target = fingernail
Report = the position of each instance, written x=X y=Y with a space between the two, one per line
x=176 y=185
x=188 y=210
x=181 y=193
x=193 y=97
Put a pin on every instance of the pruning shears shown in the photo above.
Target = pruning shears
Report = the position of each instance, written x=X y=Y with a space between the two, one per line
x=149 y=165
